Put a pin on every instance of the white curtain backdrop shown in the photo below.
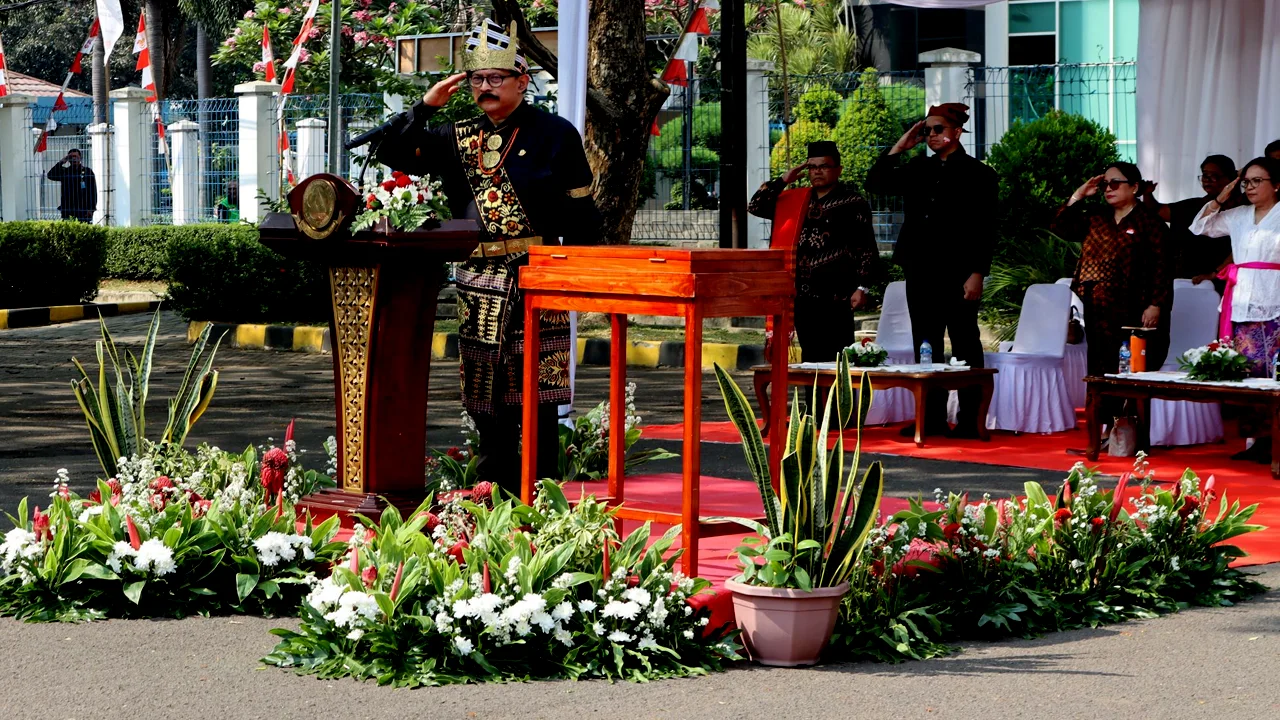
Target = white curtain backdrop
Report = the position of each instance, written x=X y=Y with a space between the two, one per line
x=1207 y=77
x=571 y=104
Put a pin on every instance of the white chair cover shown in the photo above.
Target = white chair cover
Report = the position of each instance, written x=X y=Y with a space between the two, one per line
x=894 y=334
x=1194 y=322
x=1030 y=387
x=1075 y=361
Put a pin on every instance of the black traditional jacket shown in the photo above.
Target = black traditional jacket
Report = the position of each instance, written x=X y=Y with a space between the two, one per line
x=541 y=154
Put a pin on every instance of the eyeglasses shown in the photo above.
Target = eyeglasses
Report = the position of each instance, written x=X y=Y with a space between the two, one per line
x=1249 y=183
x=1113 y=184
x=1210 y=177
x=823 y=167
x=495 y=81
x=926 y=130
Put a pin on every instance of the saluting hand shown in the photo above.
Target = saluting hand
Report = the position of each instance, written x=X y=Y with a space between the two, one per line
x=1225 y=195
x=794 y=173
x=439 y=94
x=1088 y=189
x=909 y=139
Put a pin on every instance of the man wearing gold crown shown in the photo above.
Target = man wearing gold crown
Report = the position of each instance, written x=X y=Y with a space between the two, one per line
x=522 y=173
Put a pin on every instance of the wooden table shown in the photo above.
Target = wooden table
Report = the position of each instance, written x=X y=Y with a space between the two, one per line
x=693 y=284
x=919 y=383
x=1144 y=391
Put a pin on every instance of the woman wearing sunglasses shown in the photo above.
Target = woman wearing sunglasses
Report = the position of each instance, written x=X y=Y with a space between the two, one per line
x=1125 y=272
x=1251 y=301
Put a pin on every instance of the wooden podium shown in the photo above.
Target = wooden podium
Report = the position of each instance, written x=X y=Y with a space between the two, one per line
x=693 y=284
x=384 y=286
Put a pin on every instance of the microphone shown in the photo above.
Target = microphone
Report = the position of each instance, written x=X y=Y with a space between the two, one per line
x=376 y=133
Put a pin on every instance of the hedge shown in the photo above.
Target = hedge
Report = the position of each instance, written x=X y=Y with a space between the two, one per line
x=139 y=253
x=49 y=263
x=222 y=273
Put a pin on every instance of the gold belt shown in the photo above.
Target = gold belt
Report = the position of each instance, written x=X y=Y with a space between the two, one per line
x=497 y=248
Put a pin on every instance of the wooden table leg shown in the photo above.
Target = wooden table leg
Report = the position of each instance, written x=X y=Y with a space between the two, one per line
x=921 y=394
x=988 y=390
x=1093 y=399
x=1144 y=423
x=1275 y=439
x=617 y=405
x=692 y=439
x=529 y=401
x=761 y=381
x=778 y=405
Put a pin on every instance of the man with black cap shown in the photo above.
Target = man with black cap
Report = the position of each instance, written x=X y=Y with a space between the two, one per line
x=523 y=174
x=944 y=246
x=829 y=226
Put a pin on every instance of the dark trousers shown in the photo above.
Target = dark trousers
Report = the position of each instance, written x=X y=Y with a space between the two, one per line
x=937 y=306
x=824 y=328
x=500 y=445
x=77 y=215
x=1104 y=349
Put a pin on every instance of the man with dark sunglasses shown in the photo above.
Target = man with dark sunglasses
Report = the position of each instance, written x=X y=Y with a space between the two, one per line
x=828 y=224
x=523 y=175
x=944 y=247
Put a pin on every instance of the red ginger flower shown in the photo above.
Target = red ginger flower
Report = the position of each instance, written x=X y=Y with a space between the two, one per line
x=951 y=532
x=1062 y=516
x=918 y=551
x=1097 y=524
x=40 y=525
x=161 y=483
x=274 y=464
x=369 y=576
x=395 y=584
x=455 y=551
x=433 y=522
x=95 y=496
x=135 y=541
x=1189 y=505
x=482 y=493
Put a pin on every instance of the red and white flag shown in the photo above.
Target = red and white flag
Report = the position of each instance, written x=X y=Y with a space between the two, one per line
x=290 y=65
x=4 y=77
x=60 y=102
x=698 y=22
x=268 y=60
x=144 y=56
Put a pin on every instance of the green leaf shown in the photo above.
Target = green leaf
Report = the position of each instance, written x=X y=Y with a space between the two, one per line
x=245 y=583
x=133 y=590
x=744 y=419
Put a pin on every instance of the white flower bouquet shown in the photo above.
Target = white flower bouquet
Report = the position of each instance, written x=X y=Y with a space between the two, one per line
x=866 y=353
x=1215 y=362
x=405 y=202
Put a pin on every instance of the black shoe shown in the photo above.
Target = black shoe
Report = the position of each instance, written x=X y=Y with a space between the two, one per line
x=1259 y=452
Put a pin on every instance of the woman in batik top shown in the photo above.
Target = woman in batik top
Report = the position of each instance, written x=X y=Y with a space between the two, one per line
x=1124 y=275
x=1251 y=303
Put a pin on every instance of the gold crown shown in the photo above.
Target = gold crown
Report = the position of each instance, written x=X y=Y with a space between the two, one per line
x=488 y=48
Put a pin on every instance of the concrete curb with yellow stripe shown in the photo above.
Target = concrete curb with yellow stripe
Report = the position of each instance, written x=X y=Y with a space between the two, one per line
x=444 y=346
x=53 y=314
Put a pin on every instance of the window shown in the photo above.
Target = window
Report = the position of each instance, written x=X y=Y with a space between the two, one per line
x=1033 y=50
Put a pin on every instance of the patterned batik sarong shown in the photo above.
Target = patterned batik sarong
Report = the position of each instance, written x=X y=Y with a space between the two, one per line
x=1258 y=341
x=490 y=308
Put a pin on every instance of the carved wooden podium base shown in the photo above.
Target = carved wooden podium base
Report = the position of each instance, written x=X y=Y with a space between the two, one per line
x=384 y=285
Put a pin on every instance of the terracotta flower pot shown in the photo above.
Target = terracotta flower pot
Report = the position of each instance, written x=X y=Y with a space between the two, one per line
x=783 y=627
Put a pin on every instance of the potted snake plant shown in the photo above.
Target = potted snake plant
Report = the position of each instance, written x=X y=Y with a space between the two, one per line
x=795 y=572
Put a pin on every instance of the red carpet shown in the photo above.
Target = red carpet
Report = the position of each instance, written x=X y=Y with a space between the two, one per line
x=1244 y=481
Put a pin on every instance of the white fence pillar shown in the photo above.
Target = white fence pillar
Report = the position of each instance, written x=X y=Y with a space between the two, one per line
x=100 y=145
x=184 y=138
x=259 y=147
x=131 y=156
x=354 y=129
x=945 y=79
x=757 y=144
x=15 y=152
x=311 y=147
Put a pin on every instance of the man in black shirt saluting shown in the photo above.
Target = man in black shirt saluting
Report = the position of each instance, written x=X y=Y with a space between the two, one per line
x=79 y=188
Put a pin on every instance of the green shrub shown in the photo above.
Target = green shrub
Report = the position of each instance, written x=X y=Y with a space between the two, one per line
x=139 y=253
x=671 y=160
x=223 y=273
x=1039 y=164
x=706 y=129
x=865 y=129
x=820 y=104
x=49 y=263
x=699 y=198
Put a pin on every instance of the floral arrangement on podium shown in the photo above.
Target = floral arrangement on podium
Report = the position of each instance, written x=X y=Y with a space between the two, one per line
x=1216 y=362
x=404 y=201
x=866 y=353
x=495 y=590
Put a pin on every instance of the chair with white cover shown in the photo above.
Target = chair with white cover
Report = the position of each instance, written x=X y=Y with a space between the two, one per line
x=1030 y=388
x=1193 y=323
x=894 y=335
x=1075 y=361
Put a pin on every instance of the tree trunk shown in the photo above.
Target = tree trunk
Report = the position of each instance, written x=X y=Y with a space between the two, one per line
x=623 y=98
x=204 y=71
x=626 y=100
x=101 y=82
x=156 y=43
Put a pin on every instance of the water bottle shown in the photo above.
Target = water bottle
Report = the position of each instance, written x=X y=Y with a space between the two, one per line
x=926 y=354
x=1124 y=358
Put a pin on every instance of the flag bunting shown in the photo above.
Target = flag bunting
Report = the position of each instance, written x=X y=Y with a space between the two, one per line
x=60 y=103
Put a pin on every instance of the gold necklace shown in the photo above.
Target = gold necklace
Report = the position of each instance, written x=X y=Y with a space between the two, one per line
x=491 y=159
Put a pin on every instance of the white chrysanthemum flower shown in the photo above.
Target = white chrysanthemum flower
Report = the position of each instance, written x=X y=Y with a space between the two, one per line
x=599 y=628
x=324 y=595
x=463 y=645
x=619 y=636
x=587 y=606
x=155 y=556
x=688 y=634
x=564 y=636
x=638 y=595
x=647 y=643
x=624 y=610
x=19 y=543
x=562 y=612
x=89 y=512
x=355 y=634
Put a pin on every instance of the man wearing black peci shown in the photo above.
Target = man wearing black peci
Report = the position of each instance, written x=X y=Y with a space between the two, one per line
x=944 y=247
x=523 y=174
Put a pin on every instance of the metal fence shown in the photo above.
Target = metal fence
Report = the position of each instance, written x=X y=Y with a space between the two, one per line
x=359 y=112
x=680 y=191
x=218 y=159
x=44 y=196
x=1104 y=92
